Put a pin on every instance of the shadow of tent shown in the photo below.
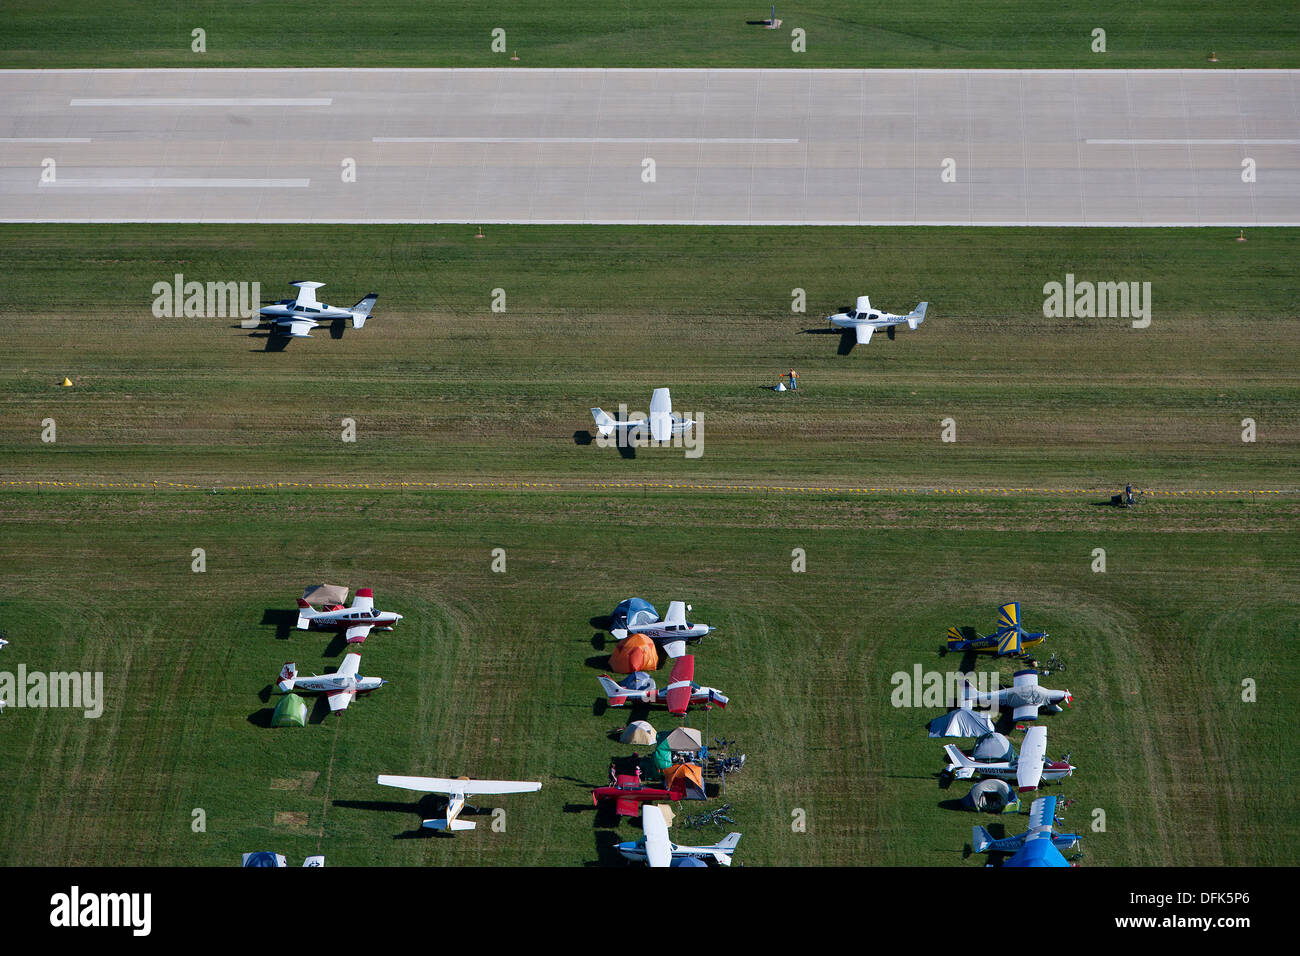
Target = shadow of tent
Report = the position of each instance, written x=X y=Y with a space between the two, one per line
x=598 y=662
x=261 y=717
x=598 y=639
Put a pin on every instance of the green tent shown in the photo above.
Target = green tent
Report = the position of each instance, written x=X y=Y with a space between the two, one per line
x=290 y=712
x=662 y=755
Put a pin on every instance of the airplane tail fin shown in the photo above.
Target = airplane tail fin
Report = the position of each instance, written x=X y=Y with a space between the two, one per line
x=917 y=315
x=361 y=311
x=305 y=613
x=604 y=424
x=729 y=842
x=980 y=839
x=617 y=696
x=288 y=675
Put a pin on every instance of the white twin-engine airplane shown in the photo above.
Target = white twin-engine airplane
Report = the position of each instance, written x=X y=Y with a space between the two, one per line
x=663 y=424
x=657 y=850
x=673 y=631
x=296 y=318
x=340 y=687
x=356 y=621
x=864 y=319
x=1026 y=770
x=457 y=790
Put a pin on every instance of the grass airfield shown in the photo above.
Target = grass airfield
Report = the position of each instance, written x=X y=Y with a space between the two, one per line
x=494 y=674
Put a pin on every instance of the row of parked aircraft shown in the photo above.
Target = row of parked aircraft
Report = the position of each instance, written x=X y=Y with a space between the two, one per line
x=1026 y=699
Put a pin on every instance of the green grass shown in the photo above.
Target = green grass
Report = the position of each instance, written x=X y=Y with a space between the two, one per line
x=442 y=388
x=839 y=34
x=494 y=674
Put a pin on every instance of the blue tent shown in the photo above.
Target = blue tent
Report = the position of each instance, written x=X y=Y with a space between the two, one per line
x=633 y=611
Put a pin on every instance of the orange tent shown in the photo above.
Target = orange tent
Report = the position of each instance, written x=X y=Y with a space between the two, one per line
x=688 y=777
x=636 y=652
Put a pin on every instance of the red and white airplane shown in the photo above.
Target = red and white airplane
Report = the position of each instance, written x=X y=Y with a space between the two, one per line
x=356 y=621
x=681 y=692
x=630 y=793
x=1026 y=770
x=340 y=687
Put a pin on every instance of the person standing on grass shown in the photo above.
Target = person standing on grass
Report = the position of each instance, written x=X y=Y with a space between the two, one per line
x=794 y=380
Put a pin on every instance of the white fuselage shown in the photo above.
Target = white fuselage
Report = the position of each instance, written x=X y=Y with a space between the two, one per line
x=635 y=852
x=350 y=617
x=328 y=683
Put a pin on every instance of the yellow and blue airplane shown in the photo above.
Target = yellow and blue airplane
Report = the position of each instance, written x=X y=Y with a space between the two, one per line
x=1010 y=638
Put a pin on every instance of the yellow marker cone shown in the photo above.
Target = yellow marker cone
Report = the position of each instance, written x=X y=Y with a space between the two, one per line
x=67 y=383
x=1241 y=235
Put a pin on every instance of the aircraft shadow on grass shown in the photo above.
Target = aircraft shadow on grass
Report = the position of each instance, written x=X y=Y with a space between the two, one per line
x=606 y=850
x=848 y=337
x=430 y=806
x=598 y=662
x=283 y=621
x=584 y=437
x=601 y=623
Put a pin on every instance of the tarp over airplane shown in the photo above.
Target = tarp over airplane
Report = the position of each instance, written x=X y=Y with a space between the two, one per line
x=636 y=652
x=688 y=777
x=321 y=594
x=291 y=711
x=961 y=723
x=638 y=732
x=993 y=747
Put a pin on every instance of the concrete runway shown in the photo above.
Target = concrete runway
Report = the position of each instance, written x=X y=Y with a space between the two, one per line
x=1041 y=147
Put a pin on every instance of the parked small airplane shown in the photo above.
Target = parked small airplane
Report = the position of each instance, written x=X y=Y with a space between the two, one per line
x=629 y=793
x=673 y=631
x=1040 y=845
x=340 y=687
x=1024 y=695
x=295 y=318
x=678 y=696
x=663 y=424
x=1010 y=638
x=356 y=621
x=656 y=849
x=456 y=789
x=864 y=320
x=1026 y=770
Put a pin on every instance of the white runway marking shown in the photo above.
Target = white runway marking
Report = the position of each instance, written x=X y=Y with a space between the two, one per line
x=201 y=101
x=45 y=139
x=653 y=140
x=1193 y=142
x=179 y=184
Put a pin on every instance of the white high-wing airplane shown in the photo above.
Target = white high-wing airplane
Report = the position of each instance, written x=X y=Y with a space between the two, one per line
x=657 y=850
x=296 y=318
x=864 y=319
x=356 y=621
x=457 y=790
x=663 y=424
x=673 y=630
x=340 y=687
x=1026 y=770
x=1024 y=695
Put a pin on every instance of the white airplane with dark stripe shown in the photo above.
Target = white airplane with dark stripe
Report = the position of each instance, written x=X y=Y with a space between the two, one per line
x=356 y=621
x=295 y=318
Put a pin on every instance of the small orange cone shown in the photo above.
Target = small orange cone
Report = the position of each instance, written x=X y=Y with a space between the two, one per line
x=1241 y=235
x=480 y=233
x=1213 y=58
x=516 y=56
x=67 y=383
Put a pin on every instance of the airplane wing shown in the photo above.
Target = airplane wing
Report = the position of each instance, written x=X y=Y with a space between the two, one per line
x=364 y=600
x=1024 y=680
x=678 y=694
x=294 y=328
x=1029 y=767
x=452 y=785
x=658 y=849
x=626 y=806
x=1009 y=616
x=339 y=699
x=864 y=333
x=1042 y=817
x=358 y=633
x=307 y=292
x=661 y=415
x=674 y=648
x=351 y=664
x=676 y=613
